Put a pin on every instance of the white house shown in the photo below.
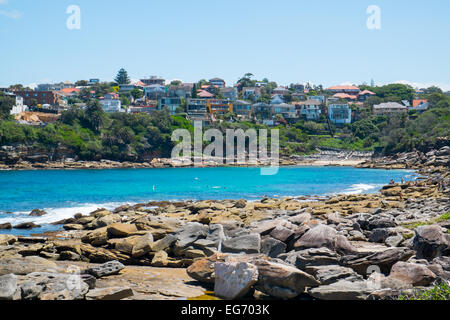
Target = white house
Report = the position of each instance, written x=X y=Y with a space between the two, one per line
x=111 y=103
x=19 y=107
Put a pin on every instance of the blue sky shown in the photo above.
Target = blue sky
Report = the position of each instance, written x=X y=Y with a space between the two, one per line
x=324 y=42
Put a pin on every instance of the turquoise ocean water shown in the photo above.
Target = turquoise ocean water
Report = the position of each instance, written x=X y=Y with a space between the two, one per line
x=62 y=193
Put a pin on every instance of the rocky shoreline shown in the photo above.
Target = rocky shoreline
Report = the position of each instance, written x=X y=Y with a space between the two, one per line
x=292 y=248
x=321 y=158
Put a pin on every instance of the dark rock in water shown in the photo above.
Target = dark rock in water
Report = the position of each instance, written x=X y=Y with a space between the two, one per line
x=272 y=247
x=37 y=213
x=430 y=242
x=27 y=225
x=5 y=226
x=250 y=243
x=32 y=239
x=106 y=269
x=78 y=216
x=63 y=221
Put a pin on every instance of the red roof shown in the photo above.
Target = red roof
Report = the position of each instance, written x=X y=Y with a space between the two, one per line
x=367 y=92
x=139 y=84
x=343 y=88
x=69 y=90
x=205 y=94
x=344 y=96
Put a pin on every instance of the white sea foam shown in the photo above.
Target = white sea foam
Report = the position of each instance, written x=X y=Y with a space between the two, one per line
x=360 y=188
x=56 y=214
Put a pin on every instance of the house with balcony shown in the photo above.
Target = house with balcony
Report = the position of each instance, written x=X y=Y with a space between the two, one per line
x=321 y=98
x=262 y=110
x=340 y=113
x=243 y=109
x=287 y=111
x=111 y=103
x=153 y=80
x=155 y=91
x=311 y=110
x=251 y=93
x=389 y=109
x=171 y=103
x=280 y=91
x=229 y=93
x=220 y=83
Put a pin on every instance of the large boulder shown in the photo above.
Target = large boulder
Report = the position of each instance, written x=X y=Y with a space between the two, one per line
x=384 y=260
x=7 y=239
x=324 y=236
x=121 y=230
x=5 y=226
x=282 y=234
x=22 y=266
x=250 y=243
x=430 y=242
x=412 y=273
x=8 y=287
x=272 y=247
x=37 y=213
x=311 y=257
x=203 y=269
x=233 y=280
x=330 y=274
x=96 y=237
x=56 y=286
x=282 y=281
x=142 y=245
x=26 y=225
x=189 y=233
x=343 y=290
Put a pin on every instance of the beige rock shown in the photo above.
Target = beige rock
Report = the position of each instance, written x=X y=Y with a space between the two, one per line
x=121 y=229
x=7 y=239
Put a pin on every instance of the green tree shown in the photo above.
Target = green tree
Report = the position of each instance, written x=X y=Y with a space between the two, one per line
x=6 y=104
x=95 y=116
x=122 y=77
x=194 y=91
x=136 y=93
